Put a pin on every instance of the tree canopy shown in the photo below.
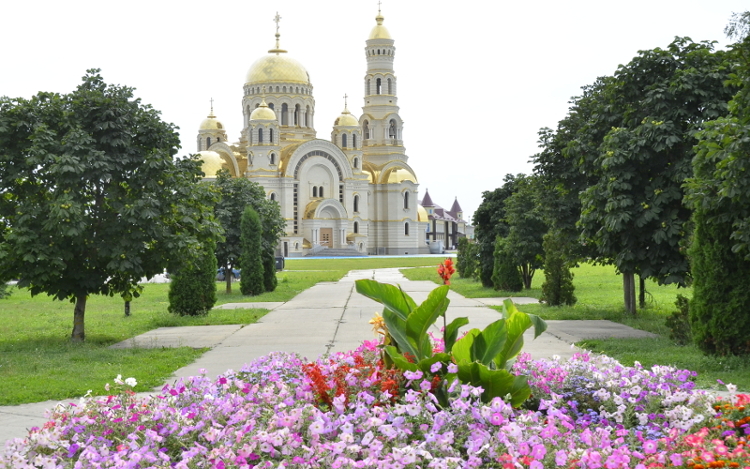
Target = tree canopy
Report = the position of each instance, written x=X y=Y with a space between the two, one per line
x=91 y=196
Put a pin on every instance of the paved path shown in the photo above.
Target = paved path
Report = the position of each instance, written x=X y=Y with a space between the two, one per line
x=326 y=318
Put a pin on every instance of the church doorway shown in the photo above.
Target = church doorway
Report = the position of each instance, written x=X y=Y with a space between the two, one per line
x=326 y=237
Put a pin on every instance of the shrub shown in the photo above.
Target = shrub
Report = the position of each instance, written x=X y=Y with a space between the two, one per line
x=558 y=287
x=466 y=262
x=269 y=271
x=192 y=291
x=505 y=275
x=251 y=282
x=679 y=322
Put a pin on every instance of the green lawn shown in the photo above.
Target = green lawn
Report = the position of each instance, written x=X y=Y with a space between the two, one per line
x=38 y=362
x=599 y=293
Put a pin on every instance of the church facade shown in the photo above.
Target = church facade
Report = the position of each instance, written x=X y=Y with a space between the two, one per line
x=355 y=191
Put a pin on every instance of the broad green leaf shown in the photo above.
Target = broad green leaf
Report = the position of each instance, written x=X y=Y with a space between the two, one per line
x=490 y=342
x=424 y=316
x=462 y=348
x=426 y=364
x=451 y=332
x=393 y=298
x=496 y=383
x=516 y=324
x=397 y=329
x=399 y=360
x=539 y=324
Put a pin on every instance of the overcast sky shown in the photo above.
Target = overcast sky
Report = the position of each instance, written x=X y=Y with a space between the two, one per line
x=477 y=79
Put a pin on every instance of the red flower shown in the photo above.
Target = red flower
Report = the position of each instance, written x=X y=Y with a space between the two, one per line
x=445 y=270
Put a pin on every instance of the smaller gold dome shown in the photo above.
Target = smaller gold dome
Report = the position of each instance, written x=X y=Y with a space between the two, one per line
x=422 y=214
x=379 y=31
x=211 y=123
x=212 y=162
x=263 y=113
x=346 y=119
x=399 y=175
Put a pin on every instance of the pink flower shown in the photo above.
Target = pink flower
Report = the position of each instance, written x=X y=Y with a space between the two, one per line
x=650 y=446
x=497 y=418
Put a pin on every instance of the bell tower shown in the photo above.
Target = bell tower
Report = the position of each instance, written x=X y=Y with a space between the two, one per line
x=380 y=122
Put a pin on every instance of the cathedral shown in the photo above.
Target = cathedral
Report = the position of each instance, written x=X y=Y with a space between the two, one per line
x=355 y=191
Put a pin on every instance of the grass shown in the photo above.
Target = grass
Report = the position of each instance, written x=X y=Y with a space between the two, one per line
x=38 y=362
x=599 y=293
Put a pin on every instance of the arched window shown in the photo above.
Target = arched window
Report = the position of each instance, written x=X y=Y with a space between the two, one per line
x=321 y=191
x=406 y=229
x=406 y=200
x=284 y=114
x=356 y=203
x=208 y=142
x=390 y=87
x=296 y=114
x=307 y=116
x=315 y=191
x=354 y=141
x=260 y=135
x=284 y=89
x=343 y=140
x=273 y=157
x=356 y=227
x=368 y=90
x=392 y=129
x=366 y=129
x=356 y=163
x=273 y=196
x=378 y=86
x=270 y=105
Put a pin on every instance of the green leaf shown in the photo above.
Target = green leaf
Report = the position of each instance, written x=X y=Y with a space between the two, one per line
x=399 y=360
x=393 y=298
x=496 y=383
x=490 y=342
x=424 y=316
x=397 y=330
x=462 y=348
x=451 y=332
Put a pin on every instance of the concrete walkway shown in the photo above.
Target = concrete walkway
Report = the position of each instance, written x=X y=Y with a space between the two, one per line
x=328 y=317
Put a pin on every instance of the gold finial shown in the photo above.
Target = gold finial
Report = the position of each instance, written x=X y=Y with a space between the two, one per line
x=212 y=108
x=277 y=50
x=379 y=18
x=379 y=2
x=346 y=109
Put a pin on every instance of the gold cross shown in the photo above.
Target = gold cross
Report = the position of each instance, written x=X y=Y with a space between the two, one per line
x=345 y=96
x=276 y=19
x=379 y=2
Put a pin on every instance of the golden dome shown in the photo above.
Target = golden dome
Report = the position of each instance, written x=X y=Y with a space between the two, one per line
x=212 y=162
x=263 y=113
x=277 y=68
x=211 y=123
x=422 y=214
x=399 y=175
x=379 y=31
x=346 y=119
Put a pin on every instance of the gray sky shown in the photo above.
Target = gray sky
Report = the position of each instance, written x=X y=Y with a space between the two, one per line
x=477 y=79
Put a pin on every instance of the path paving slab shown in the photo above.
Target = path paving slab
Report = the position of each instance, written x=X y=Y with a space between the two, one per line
x=192 y=336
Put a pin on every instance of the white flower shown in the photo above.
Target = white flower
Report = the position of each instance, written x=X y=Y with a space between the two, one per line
x=131 y=382
x=118 y=380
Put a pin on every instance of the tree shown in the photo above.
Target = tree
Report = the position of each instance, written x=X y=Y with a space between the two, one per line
x=505 y=276
x=236 y=195
x=192 y=291
x=558 y=288
x=251 y=282
x=526 y=228
x=489 y=223
x=466 y=263
x=91 y=195
x=719 y=194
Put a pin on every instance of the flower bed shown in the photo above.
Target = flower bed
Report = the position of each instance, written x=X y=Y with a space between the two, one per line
x=348 y=411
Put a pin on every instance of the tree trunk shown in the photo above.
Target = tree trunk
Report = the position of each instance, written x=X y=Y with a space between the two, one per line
x=642 y=293
x=78 y=334
x=127 y=308
x=628 y=287
x=228 y=277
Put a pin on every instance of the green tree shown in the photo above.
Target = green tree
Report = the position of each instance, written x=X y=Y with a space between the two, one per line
x=236 y=195
x=251 y=282
x=558 y=288
x=719 y=194
x=192 y=291
x=526 y=228
x=489 y=223
x=466 y=263
x=505 y=276
x=91 y=195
